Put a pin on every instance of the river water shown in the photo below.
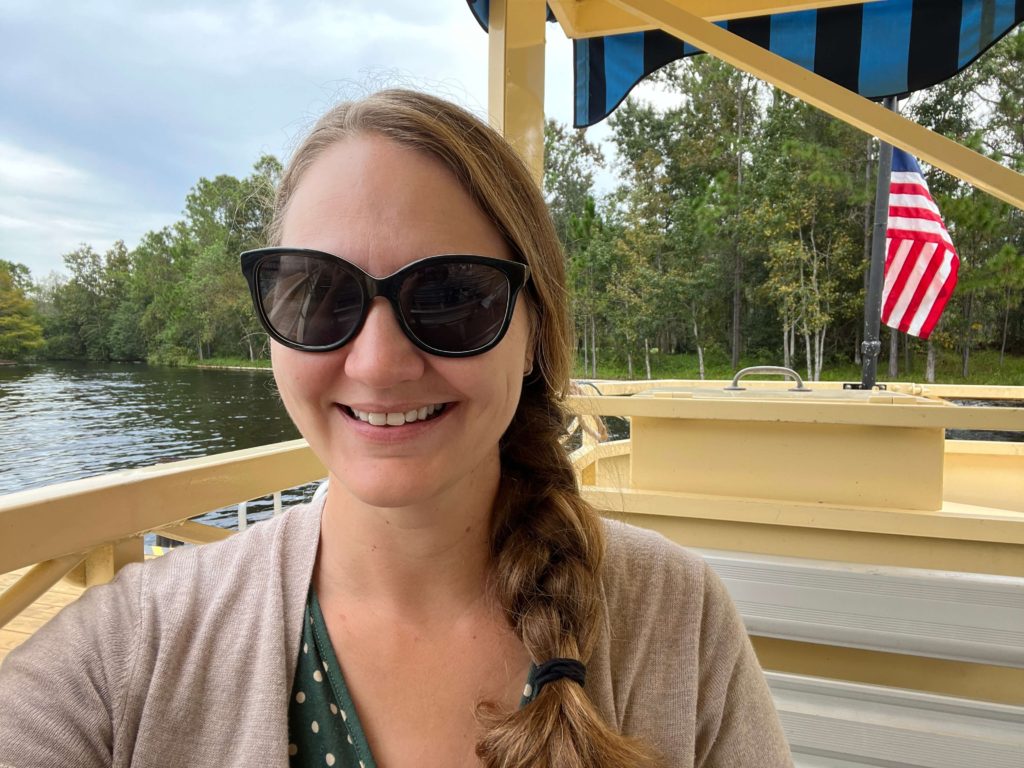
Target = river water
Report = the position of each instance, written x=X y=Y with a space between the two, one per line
x=66 y=421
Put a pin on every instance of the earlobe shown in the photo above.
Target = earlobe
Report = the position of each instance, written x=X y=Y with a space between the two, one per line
x=528 y=366
x=531 y=344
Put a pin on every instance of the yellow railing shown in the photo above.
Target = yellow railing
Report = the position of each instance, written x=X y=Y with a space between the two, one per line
x=96 y=525
x=944 y=391
x=89 y=528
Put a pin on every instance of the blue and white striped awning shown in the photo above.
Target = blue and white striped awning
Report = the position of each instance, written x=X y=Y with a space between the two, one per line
x=885 y=48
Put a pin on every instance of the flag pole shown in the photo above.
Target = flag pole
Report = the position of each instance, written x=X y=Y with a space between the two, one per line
x=872 y=345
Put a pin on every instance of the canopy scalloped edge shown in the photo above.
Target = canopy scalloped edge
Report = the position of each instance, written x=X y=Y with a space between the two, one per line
x=879 y=49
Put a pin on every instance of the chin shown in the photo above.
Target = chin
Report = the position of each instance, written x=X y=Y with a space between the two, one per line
x=429 y=485
x=388 y=492
x=391 y=497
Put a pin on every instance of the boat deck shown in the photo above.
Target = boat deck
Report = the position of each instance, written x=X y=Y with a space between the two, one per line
x=37 y=614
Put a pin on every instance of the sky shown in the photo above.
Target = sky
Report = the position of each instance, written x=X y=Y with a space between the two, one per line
x=111 y=110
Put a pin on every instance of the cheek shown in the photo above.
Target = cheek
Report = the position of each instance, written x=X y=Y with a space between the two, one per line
x=300 y=378
x=516 y=358
x=283 y=363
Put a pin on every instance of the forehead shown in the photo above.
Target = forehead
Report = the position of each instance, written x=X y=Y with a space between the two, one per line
x=381 y=205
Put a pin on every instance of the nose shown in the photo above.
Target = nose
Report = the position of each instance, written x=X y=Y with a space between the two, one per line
x=380 y=355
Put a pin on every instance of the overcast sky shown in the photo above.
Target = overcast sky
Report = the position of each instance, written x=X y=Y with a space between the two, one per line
x=111 y=110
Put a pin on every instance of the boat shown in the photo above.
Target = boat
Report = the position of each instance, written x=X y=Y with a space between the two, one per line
x=879 y=567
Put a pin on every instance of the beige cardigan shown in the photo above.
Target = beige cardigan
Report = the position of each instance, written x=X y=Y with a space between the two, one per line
x=188 y=660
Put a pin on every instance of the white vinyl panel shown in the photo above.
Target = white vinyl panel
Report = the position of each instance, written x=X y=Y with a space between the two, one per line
x=835 y=724
x=943 y=614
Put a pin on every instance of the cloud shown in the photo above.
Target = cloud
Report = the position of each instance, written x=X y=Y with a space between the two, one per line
x=114 y=109
x=33 y=172
x=48 y=207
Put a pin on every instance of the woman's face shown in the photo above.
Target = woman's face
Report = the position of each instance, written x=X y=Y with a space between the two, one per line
x=382 y=206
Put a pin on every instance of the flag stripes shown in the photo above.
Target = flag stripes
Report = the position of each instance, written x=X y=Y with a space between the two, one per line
x=921 y=263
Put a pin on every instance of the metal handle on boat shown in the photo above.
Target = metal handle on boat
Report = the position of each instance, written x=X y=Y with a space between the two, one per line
x=590 y=384
x=789 y=373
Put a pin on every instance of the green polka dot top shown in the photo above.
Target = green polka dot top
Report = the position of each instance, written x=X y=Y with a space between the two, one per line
x=323 y=728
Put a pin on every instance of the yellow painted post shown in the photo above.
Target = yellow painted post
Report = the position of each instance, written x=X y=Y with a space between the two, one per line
x=103 y=563
x=839 y=102
x=34 y=584
x=191 y=532
x=516 y=77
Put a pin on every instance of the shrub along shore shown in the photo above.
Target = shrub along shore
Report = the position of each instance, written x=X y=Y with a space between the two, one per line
x=985 y=368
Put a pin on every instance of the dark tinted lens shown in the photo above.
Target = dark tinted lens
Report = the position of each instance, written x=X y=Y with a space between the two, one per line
x=455 y=307
x=309 y=300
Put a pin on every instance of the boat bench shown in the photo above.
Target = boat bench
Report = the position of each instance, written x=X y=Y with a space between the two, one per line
x=946 y=615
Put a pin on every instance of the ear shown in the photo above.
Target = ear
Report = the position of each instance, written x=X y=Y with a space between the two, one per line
x=531 y=342
x=528 y=365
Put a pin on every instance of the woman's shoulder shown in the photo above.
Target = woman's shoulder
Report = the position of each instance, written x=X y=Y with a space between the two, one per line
x=641 y=561
x=208 y=621
x=674 y=661
x=231 y=575
x=282 y=543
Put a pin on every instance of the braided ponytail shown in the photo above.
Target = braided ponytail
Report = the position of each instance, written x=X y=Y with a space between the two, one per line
x=547 y=546
x=546 y=541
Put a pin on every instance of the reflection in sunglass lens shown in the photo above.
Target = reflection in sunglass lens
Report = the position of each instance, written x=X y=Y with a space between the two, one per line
x=455 y=307
x=309 y=301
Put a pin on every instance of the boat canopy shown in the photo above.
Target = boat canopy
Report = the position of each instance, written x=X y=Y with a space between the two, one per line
x=875 y=49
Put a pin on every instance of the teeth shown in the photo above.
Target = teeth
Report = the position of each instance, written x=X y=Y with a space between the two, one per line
x=398 y=418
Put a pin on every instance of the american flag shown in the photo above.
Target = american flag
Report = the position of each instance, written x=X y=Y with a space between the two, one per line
x=921 y=263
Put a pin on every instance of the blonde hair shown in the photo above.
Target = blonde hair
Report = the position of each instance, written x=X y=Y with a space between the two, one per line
x=547 y=543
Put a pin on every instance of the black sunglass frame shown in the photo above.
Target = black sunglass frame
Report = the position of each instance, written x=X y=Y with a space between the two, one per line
x=516 y=273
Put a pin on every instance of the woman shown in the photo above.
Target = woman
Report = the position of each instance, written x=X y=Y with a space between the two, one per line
x=454 y=600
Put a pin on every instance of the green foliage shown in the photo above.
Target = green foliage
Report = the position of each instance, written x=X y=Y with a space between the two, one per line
x=986 y=368
x=570 y=162
x=230 y=362
x=983 y=107
x=741 y=226
x=178 y=294
x=18 y=274
x=736 y=233
x=20 y=332
x=804 y=223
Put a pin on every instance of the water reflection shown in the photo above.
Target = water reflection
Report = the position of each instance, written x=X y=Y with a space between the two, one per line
x=66 y=421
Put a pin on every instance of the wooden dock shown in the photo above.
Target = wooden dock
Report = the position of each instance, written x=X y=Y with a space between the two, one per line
x=37 y=614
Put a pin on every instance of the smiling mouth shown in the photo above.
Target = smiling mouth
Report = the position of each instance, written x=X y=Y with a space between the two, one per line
x=397 y=418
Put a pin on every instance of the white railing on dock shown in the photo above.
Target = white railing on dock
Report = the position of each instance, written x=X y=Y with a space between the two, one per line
x=243 y=507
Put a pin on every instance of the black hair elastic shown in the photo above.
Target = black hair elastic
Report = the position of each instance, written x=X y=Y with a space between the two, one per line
x=558 y=669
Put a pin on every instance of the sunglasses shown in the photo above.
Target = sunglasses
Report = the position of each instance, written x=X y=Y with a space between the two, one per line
x=452 y=305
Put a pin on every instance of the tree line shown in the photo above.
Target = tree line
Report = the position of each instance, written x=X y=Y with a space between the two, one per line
x=176 y=297
x=738 y=226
